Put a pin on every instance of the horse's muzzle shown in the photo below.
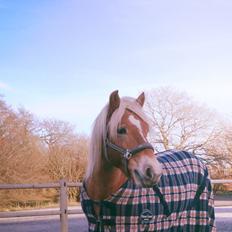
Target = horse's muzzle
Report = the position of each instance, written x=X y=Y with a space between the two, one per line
x=146 y=178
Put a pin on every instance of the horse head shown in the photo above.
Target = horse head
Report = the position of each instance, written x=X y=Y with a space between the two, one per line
x=125 y=140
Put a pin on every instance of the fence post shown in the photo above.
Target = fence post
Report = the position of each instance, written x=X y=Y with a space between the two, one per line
x=63 y=206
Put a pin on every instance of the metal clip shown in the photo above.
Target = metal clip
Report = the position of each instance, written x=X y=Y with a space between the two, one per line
x=127 y=154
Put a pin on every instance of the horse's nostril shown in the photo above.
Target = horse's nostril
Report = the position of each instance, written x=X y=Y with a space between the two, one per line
x=149 y=173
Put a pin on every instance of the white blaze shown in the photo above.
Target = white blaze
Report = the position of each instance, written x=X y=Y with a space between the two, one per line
x=137 y=123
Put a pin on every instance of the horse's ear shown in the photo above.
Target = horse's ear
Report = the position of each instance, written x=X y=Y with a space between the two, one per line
x=141 y=99
x=114 y=103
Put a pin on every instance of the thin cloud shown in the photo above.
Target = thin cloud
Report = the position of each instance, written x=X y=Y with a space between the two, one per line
x=4 y=86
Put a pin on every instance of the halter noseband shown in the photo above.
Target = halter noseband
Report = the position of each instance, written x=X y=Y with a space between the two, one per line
x=126 y=153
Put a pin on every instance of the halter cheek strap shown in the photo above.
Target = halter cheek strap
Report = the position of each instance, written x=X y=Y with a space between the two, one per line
x=128 y=153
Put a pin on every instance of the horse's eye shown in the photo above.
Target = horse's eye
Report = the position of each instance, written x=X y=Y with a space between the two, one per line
x=121 y=130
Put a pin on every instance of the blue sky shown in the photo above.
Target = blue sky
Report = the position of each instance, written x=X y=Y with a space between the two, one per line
x=61 y=59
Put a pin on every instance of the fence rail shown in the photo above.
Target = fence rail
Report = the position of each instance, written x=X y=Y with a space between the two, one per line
x=63 y=186
x=221 y=181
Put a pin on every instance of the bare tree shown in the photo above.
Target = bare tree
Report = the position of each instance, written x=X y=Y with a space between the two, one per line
x=19 y=155
x=220 y=150
x=66 y=152
x=178 y=122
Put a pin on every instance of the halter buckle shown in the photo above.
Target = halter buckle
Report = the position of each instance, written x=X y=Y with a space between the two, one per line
x=127 y=154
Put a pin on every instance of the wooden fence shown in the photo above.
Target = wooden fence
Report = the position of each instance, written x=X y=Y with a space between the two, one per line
x=63 y=186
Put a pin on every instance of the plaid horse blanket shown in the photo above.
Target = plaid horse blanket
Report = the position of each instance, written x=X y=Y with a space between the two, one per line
x=181 y=202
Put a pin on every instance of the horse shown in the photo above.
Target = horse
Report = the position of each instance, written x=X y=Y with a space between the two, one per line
x=129 y=187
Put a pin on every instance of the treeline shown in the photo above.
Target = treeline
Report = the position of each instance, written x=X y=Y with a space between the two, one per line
x=34 y=151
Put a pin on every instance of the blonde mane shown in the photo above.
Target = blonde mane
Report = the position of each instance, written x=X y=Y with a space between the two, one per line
x=100 y=128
